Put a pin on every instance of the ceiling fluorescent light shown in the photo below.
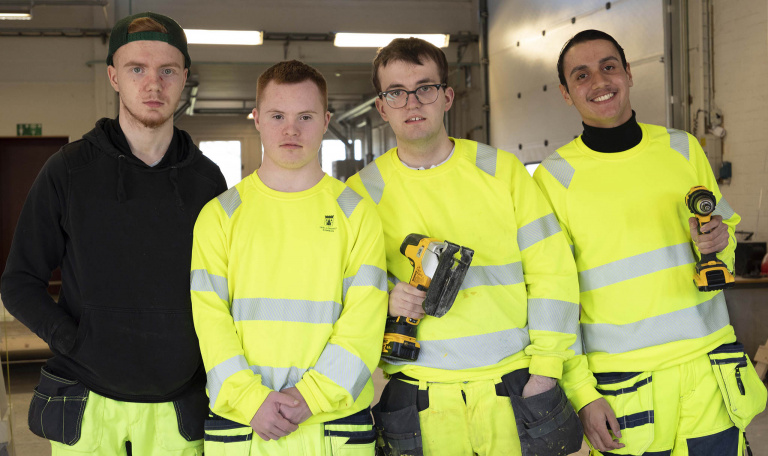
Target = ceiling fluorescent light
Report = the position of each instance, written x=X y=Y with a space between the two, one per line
x=250 y=116
x=235 y=37
x=15 y=13
x=383 y=39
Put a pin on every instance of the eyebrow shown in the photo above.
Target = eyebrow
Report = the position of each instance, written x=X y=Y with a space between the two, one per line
x=583 y=67
x=133 y=63
x=277 y=111
x=397 y=85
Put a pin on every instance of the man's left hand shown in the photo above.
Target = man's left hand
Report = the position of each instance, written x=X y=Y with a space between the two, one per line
x=299 y=413
x=714 y=237
x=538 y=384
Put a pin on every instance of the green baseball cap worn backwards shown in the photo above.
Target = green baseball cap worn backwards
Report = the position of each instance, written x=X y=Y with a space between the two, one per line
x=175 y=36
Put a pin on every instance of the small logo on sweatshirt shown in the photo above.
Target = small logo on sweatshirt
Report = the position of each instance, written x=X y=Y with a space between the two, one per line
x=329 y=223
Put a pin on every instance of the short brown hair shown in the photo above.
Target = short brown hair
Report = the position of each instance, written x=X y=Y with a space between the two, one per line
x=291 y=72
x=146 y=24
x=409 y=50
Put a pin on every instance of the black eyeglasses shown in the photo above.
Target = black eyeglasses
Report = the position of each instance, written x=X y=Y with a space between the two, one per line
x=398 y=98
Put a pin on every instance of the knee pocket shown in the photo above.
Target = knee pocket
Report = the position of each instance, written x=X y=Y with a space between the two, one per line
x=630 y=395
x=58 y=412
x=743 y=392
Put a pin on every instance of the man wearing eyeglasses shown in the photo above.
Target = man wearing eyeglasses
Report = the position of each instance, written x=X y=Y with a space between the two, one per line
x=503 y=343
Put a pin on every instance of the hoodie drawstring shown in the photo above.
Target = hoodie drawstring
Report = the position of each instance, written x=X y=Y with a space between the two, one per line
x=174 y=180
x=121 y=196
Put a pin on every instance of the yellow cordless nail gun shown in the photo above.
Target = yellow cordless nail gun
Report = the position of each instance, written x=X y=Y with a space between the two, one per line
x=711 y=273
x=439 y=268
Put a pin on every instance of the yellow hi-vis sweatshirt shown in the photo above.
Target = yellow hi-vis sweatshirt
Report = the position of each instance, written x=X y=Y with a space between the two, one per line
x=517 y=306
x=289 y=289
x=626 y=217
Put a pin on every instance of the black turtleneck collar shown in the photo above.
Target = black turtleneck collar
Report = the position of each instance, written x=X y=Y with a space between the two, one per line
x=616 y=139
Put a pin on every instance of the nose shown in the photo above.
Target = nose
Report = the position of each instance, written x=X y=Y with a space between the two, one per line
x=290 y=128
x=599 y=80
x=153 y=81
x=412 y=101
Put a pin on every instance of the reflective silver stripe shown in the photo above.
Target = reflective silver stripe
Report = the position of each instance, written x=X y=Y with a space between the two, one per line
x=201 y=280
x=278 y=378
x=373 y=182
x=222 y=372
x=553 y=315
x=343 y=368
x=685 y=324
x=537 y=230
x=294 y=310
x=573 y=250
x=348 y=201
x=486 y=158
x=230 y=201
x=559 y=168
x=635 y=266
x=367 y=276
x=471 y=351
x=392 y=279
x=678 y=140
x=723 y=209
x=577 y=347
x=505 y=274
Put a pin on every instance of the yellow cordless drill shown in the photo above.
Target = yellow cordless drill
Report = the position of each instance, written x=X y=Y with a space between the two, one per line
x=711 y=273
x=439 y=268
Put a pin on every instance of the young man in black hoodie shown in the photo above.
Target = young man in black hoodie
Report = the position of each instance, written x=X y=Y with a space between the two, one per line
x=115 y=210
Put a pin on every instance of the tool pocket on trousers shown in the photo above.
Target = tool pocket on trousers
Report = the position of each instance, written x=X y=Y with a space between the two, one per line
x=351 y=436
x=630 y=395
x=743 y=392
x=226 y=438
x=399 y=432
x=191 y=411
x=546 y=423
x=57 y=408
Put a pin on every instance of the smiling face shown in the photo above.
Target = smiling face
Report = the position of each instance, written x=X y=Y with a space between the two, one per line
x=291 y=119
x=149 y=77
x=414 y=123
x=598 y=84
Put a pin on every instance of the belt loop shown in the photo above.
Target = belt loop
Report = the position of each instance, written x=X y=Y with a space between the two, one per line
x=422 y=385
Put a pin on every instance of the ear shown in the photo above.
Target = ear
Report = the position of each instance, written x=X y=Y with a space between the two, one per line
x=449 y=96
x=186 y=74
x=255 y=113
x=566 y=95
x=112 y=75
x=629 y=74
x=380 y=107
x=327 y=121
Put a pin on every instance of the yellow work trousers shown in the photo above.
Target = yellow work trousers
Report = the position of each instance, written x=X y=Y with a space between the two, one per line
x=107 y=424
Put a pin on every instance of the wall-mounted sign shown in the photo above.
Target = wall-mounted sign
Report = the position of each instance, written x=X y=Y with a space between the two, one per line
x=29 y=129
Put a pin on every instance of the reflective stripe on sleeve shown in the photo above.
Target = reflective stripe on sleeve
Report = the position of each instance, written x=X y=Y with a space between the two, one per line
x=723 y=209
x=221 y=372
x=678 y=140
x=468 y=352
x=367 y=276
x=553 y=315
x=348 y=201
x=230 y=201
x=293 y=310
x=577 y=347
x=343 y=368
x=537 y=230
x=486 y=158
x=505 y=274
x=278 y=378
x=635 y=266
x=559 y=168
x=373 y=182
x=201 y=280
x=684 y=324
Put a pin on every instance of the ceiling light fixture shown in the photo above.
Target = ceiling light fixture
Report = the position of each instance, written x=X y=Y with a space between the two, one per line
x=383 y=39
x=230 y=37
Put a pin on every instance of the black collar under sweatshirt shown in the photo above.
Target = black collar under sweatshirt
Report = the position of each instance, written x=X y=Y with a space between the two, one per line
x=616 y=139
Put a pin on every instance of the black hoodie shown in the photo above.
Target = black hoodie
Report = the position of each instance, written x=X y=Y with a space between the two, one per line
x=122 y=233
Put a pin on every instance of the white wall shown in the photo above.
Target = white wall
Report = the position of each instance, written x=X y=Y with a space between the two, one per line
x=521 y=125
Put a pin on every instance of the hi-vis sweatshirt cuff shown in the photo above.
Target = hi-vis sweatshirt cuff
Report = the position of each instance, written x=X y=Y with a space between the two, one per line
x=547 y=366
x=583 y=396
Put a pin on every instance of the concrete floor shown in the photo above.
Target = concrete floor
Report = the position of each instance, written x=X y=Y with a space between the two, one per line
x=24 y=377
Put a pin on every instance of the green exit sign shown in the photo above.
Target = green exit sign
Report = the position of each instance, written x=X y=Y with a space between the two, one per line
x=29 y=129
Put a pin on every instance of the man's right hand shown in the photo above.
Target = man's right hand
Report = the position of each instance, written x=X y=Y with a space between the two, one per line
x=596 y=417
x=268 y=423
x=405 y=301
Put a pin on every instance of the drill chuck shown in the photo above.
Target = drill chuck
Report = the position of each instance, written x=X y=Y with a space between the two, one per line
x=701 y=201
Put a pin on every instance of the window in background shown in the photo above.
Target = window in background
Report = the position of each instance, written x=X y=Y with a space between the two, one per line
x=227 y=155
x=333 y=150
